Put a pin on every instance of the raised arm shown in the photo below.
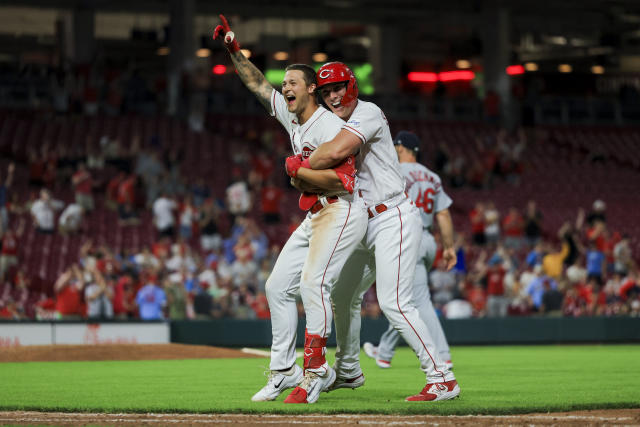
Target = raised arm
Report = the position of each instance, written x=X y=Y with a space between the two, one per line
x=252 y=78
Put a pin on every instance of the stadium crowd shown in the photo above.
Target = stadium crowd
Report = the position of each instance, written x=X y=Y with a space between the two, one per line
x=211 y=255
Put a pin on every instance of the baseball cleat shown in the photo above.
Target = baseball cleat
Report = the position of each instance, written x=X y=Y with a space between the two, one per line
x=277 y=383
x=351 y=383
x=384 y=364
x=437 y=391
x=370 y=350
x=311 y=386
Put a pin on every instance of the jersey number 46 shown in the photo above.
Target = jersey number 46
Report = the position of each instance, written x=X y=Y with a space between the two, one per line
x=425 y=200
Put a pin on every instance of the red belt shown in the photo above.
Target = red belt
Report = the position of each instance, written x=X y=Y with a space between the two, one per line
x=378 y=208
x=318 y=205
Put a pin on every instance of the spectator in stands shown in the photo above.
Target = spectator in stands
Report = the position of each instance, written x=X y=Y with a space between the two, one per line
x=4 y=196
x=70 y=220
x=497 y=301
x=111 y=196
x=151 y=300
x=98 y=295
x=43 y=212
x=596 y=264
x=176 y=299
x=491 y=224
x=271 y=197
x=598 y=213
x=623 y=259
x=210 y=239
x=203 y=302
x=83 y=186
x=536 y=290
x=552 y=300
x=532 y=223
x=126 y=201
x=68 y=289
x=442 y=283
x=553 y=263
x=163 y=215
x=513 y=227
x=535 y=255
x=124 y=306
x=9 y=239
x=238 y=197
x=187 y=217
x=477 y=217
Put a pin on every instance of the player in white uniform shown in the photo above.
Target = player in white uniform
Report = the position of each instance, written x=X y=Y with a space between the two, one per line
x=311 y=260
x=425 y=189
x=390 y=247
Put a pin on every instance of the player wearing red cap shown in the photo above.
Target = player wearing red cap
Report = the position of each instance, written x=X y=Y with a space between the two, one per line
x=392 y=242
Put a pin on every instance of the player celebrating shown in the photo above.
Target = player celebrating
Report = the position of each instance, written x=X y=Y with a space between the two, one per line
x=391 y=245
x=425 y=189
x=311 y=260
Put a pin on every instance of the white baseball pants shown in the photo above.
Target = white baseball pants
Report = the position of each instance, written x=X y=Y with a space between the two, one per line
x=310 y=263
x=422 y=301
x=390 y=252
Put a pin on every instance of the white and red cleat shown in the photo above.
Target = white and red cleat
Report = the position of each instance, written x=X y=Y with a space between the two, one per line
x=437 y=391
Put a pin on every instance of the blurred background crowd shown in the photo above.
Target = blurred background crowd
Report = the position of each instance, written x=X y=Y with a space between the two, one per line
x=140 y=180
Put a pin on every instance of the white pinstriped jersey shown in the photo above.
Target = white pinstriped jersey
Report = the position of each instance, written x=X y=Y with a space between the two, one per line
x=378 y=168
x=425 y=189
x=321 y=127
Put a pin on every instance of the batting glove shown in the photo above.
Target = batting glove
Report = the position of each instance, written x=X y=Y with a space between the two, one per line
x=229 y=38
x=292 y=164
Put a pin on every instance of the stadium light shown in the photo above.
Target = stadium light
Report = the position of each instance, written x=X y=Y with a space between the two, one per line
x=514 y=70
x=597 y=69
x=163 y=51
x=319 y=57
x=450 y=76
x=219 y=69
x=565 y=68
x=531 y=66
x=444 y=76
x=463 y=63
x=203 y=53
x=422 y=77
x=281 y=56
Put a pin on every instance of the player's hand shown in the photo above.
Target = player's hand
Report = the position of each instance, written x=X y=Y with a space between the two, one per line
x=449 y=255
x=292 y=164
x=346 y=171
x=228 y=36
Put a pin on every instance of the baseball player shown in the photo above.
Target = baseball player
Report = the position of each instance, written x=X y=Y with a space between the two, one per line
x=425 y=189
x=392 y=242
x=311 y=260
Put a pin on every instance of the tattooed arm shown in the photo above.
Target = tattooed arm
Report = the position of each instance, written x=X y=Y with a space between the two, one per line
x=253 y=79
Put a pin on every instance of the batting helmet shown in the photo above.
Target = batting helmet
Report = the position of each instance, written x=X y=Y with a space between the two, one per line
x=336 y=72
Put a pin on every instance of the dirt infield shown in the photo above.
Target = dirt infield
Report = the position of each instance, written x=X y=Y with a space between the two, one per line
x=590 y=418
x=67 y=353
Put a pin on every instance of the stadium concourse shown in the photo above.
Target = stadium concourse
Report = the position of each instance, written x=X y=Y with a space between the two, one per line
x=545 y=217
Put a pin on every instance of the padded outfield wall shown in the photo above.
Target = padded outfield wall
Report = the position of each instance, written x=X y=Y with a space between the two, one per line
x=510 y=330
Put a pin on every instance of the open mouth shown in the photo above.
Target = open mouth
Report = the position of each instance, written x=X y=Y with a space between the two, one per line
x=290 y=99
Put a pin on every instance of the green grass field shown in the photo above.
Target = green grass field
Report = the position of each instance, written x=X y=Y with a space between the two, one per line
x=494 y=380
